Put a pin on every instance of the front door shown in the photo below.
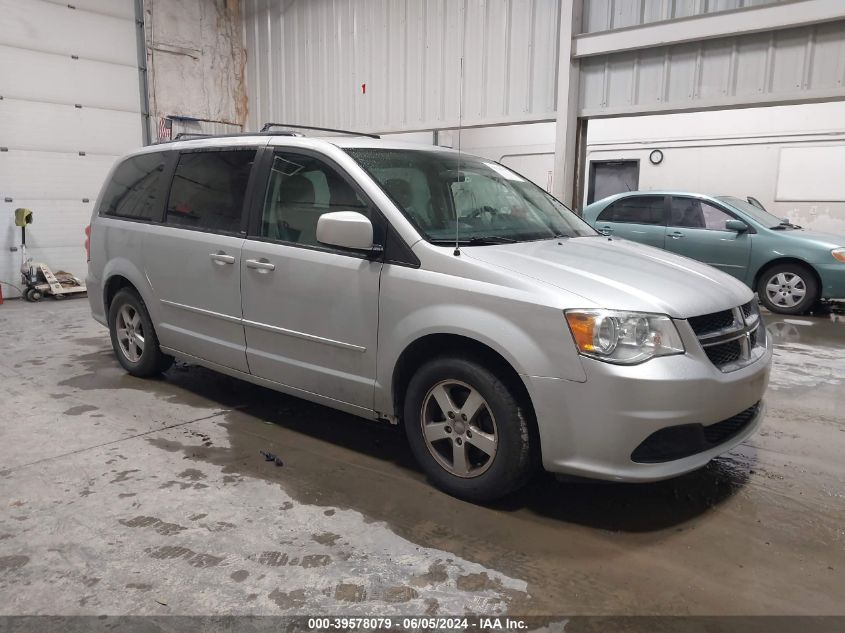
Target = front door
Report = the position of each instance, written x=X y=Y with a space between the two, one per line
x=193 y=259
x=310 y=311
x=696 y=229
x=637 y=218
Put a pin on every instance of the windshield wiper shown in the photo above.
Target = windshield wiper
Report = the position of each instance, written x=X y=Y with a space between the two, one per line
x=480 y=240
x=786 y=224
x=490 y=239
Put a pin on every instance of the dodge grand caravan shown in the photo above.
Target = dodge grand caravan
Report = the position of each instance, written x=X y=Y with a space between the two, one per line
x=431 y=289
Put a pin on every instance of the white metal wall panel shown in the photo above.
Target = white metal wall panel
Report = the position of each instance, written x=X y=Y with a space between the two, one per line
x=607 y=15
x=50 y=127
x=39 y=76
x=307 y=62
x=53 y=175
x=53 y=58
x=106 y=7
x=790 y=65
x=66 y=231
x=53 y=28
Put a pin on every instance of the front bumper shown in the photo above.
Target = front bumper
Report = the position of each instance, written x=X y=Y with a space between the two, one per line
x=833 y=280
x=592 y=428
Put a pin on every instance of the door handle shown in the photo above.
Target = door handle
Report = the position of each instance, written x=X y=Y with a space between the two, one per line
x=222 y=258
x=676 y=235
x=260 y=264
x=605 y=230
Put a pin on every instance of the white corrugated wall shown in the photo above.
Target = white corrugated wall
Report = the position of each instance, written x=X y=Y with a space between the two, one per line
x=308 y=62
x=605 y=15
x=69 y=105
x=785 y=66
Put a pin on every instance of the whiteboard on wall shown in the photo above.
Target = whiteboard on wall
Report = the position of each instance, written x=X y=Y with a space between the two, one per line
x=811 y=174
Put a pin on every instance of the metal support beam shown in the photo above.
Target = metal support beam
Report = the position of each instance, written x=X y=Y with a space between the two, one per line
x=579 y=169
x=568 y=75
x=143 y=80
x=703 y=27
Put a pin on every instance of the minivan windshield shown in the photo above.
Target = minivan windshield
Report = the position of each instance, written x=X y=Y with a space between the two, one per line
x=756 y=213
x=491 y=203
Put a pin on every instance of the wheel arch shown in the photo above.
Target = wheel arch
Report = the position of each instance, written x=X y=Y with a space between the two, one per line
x=113 y=285
x=121 y=273
x=431 y=346
x=785 y=260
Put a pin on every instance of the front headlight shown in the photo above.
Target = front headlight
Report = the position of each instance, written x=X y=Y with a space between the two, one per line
x=838 y=253
x=624 y=338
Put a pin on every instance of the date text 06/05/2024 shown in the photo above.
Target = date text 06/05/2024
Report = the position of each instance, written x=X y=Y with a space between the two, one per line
x=417 y=623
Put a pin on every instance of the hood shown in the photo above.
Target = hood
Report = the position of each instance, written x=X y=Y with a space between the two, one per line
x=621 y=275
x=813 y=238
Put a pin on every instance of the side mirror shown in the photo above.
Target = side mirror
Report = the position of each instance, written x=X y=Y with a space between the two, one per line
x=346 y=229
x=736 y=225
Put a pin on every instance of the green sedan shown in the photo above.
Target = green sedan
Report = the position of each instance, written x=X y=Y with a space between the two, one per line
x=790 y=268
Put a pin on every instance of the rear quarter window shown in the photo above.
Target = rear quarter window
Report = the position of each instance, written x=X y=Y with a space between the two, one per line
x=209 y=188
x=137 y=188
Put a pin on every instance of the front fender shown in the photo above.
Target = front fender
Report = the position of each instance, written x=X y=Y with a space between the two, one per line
x=533 y=338
x=772 y=258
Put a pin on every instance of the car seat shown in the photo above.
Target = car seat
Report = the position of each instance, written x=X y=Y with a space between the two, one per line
x=290 y=217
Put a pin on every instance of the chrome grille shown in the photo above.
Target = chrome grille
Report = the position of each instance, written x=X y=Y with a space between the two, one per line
x=731 y=338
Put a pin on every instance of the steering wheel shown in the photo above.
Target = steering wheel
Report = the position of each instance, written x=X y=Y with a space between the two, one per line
x=476 y=213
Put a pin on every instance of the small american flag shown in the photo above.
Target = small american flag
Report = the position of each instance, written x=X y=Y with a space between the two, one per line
x=165 y=129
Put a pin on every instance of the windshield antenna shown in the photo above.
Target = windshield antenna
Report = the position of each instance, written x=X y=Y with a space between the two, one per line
x=460 y=125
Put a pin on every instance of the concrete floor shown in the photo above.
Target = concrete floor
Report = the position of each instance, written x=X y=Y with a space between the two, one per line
x=128 y=496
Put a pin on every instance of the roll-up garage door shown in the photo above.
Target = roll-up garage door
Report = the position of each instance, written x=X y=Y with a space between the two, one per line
x=69 y=106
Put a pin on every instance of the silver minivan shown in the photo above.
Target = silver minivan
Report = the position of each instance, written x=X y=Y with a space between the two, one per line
x=432 y=289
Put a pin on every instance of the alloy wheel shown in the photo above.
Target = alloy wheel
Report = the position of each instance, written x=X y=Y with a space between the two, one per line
x=786 y=289
x=459 y=428
x=130 y=333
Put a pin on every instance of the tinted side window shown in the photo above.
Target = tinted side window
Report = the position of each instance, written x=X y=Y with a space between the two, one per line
x=137 y=188
x=697 y=214
x=208 y=190
x=635 y=210
x=301 y=189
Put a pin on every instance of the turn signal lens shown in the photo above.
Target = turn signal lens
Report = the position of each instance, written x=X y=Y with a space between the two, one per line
x=838 y=253
x=624 y=338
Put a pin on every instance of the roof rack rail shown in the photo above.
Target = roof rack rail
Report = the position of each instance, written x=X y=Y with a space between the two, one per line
x=267 y=126
x=187 y=135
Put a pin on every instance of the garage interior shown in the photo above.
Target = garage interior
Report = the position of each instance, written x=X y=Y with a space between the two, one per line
x=130 y=497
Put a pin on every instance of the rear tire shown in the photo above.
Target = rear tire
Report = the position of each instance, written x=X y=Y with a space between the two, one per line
x=788 y=288
x=482 y=446
x=133 y=337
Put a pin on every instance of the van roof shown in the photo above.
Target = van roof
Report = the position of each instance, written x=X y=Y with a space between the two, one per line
x=293 y=140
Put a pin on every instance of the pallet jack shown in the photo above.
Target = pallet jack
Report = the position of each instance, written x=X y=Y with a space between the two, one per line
x=38 y=280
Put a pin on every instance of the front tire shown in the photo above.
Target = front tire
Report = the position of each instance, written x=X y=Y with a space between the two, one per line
x=468 y=429
x=788 y=289
x=133 y=337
